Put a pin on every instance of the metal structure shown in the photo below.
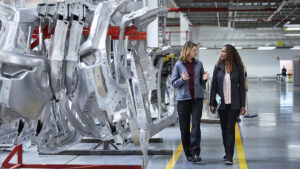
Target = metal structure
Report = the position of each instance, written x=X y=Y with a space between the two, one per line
x=18 y=149
x=238 y=13
x=75 y=69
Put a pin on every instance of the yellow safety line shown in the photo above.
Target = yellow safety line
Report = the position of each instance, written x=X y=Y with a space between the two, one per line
x=174 y=157
x=239 y=145
x=240 y=149
x=178 y=151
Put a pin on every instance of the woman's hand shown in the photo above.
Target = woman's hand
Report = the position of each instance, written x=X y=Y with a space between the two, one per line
x=205 y=75
x=243 y=111
x=185 y=76
x=212 y=109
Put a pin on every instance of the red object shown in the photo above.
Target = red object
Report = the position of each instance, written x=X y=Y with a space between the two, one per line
x=238 y=1
x=113 y=31
x=18 y=149
x=190 y=69
x=35 y=35
x=217 y=10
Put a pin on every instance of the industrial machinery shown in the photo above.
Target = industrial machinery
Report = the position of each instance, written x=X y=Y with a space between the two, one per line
x=76 y=69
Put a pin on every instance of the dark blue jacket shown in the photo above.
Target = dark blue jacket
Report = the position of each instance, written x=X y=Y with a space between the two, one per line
x=238 y=91
x=183 y=86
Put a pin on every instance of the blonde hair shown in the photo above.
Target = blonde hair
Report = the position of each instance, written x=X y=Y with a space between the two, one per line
x=186 y=49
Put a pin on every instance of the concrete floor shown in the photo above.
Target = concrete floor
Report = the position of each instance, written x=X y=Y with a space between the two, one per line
x=270 y=141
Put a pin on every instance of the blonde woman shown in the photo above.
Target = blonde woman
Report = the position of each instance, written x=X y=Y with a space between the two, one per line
x=229 y=83
x=188 y=76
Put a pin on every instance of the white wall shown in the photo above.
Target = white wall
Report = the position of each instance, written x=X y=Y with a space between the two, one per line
x=214 y=37
x=258 y=62
x=184 y=26
x=152 y=28
x=209 y=36
x=173 y=36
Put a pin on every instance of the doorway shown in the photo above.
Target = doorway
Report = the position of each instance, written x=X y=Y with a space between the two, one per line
x=288 y=64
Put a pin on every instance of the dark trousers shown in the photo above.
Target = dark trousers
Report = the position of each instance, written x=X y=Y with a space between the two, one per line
x=228 y=119
x=190 y=140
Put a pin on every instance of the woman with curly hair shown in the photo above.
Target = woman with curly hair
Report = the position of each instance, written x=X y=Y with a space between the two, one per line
x=229 y=83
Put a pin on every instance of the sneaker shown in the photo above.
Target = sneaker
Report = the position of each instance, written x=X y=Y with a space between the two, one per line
x=197 y=159
x=190 y=158
x=224 y=158
x=228 y=161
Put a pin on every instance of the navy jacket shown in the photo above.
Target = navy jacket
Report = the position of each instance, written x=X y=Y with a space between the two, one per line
x=238 y=91
x=183 y=86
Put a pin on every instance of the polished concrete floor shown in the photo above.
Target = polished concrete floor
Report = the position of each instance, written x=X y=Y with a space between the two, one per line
x=270 y=141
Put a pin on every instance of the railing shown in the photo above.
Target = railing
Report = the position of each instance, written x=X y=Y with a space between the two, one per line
x=288 y=78
x=173 y=37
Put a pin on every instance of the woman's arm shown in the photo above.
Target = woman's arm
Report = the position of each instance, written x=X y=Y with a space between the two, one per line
x=202 y=82
x=242 y=89
x=214 y=87
x=177 y=81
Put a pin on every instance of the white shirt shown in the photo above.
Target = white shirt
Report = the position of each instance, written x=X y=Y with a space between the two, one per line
x=227 y=88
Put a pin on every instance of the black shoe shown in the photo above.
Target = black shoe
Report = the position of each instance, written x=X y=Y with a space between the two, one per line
x=196 y=158
x=228 y=161
x=190 y=158
x=224 y=158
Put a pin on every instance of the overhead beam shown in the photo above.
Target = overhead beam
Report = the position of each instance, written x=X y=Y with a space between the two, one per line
x=231 y=14
x=217 y=10
x=250 y=20
x=286 y=17
x=237 y=1
x=218 y=15
x=277 y=10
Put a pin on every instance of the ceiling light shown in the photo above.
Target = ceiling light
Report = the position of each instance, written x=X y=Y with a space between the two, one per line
x=292 y=29
x=238 y=47
x=290 y=34
x=266 y=48
x=295 y=48
x=203 y=48
x=242 y=20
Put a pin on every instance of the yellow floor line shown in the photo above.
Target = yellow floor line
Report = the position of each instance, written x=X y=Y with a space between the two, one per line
x=175 y=157
x=178 y=151
x=240 y=150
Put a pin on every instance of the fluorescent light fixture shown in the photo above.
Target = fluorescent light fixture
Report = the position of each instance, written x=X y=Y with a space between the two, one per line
x=243 y=20
x=203 y=48
x=295 y=48
x=238 y=47
x=292 y=29
x=266 y=48
x=292 y=34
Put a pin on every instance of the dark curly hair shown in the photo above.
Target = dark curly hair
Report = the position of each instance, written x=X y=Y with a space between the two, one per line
x=233 y=58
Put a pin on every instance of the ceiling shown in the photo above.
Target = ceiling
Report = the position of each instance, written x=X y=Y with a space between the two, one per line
x=236 y=13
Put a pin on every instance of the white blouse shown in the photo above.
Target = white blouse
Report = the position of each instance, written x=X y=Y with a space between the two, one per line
x=227 y=88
